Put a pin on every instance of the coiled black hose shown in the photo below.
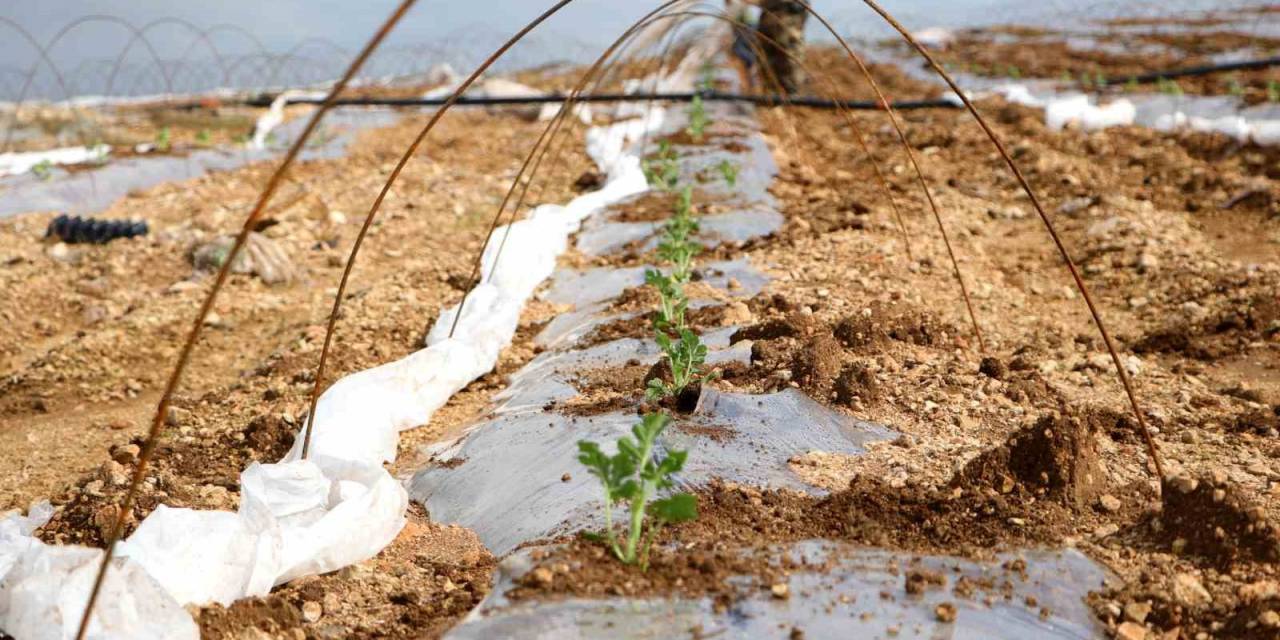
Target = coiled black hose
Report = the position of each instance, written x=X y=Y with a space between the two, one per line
x=75 y=229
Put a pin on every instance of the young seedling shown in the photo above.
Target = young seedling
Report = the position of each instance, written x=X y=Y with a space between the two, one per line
x=1015 y=72
x=1235 y=89
x=162 y=139
x=708 y=79
x=697 y=118
x=1100 y=80
x=675 y=246
x=671 y=304
x=635 y=475
x=686 y=356
x=1273 y=91
x=43 y=169
x=663 y=171
x=202 y=137
x=1131 y=85
x=1169 y=87
x=730 y=172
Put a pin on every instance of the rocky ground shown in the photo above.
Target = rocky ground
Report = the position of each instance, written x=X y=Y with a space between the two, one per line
x=1029 y=441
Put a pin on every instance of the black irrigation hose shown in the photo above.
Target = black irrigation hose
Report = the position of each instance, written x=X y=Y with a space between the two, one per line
x=1244 y=65
x=707 y=96
x=75 y=229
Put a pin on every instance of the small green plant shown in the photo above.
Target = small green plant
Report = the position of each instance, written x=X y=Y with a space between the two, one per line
x=202 y=137
x=672 y=302
x=729 y=171
x=707 y=82
x=1014 y=72
x=1100 y=80
x=1273 y=91
x=1131 y=85
x=635 y=475
x=1065 y=78
x=100 y=151
x=1168 y=87
x=686 y=355
x=162 y=139
x=662 y=171
x=697 y=117
x=43 y=169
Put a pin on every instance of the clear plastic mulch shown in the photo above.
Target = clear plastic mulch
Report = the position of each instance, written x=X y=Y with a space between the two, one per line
x=514 y=478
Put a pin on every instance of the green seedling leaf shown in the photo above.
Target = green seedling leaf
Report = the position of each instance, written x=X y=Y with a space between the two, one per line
x=729 y=171
x=682 y=507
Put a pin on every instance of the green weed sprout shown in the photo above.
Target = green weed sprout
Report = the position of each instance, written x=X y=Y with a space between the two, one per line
x=697 y=117
x=43 y=169
x=203 y=137
x=1014 y=72
x=634 y=475
x=663 y=172
x=1131 y=85
x=1100 y=81
x=1273 y=91
x=1065 y=78
x=162 y=139
x=730 y=172
x=686 y=355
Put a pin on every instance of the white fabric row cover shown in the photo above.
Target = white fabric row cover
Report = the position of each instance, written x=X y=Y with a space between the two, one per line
x=306 y=517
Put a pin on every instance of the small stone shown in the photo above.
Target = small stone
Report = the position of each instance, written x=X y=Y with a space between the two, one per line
x=542 y=576
x=1148 y=262
x=1109 y=503
x=113 y=473
x=1106 y=530
x=1269 y=619
x=1189 y=592
x=1131 y=631
x=565 y=478
x=126 y=454
x=311 y=611
x=945 y=612
x=737 y=314
x=780 y=591
x=62 y=253
x=1137 y=611
x=1185 y=484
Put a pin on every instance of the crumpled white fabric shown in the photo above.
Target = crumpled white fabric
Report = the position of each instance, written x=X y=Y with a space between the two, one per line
x=14 y=163
x=1078 y=110
x=305 y=517
x=1238 y=127
x=43 y=589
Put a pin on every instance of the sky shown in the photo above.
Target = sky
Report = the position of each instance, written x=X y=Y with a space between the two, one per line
x=457 y=29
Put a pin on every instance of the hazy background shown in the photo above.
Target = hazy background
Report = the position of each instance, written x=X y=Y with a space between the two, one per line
x=293 y=41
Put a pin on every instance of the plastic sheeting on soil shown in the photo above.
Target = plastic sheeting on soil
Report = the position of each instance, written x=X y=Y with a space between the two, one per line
x=842 y=596
x=1259 y=124
x=514 y=479
x=303 y=517
x=85 y=192
x=503 y=478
